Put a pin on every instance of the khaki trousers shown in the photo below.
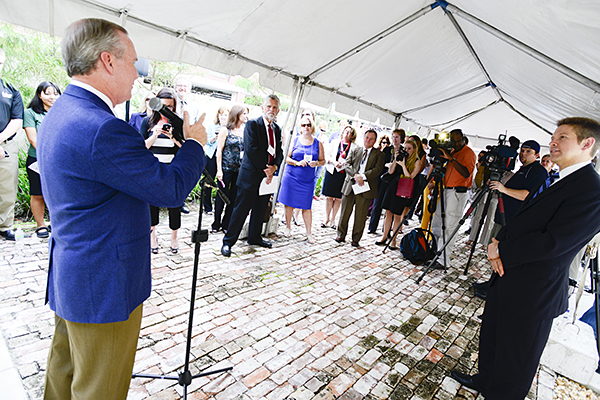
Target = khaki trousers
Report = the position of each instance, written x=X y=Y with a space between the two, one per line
x=9 y=175
x=92 y=361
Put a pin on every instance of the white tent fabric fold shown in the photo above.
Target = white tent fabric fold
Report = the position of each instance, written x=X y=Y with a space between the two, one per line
x=388 y=60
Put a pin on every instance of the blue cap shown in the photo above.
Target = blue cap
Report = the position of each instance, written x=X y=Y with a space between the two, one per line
x=531 y=144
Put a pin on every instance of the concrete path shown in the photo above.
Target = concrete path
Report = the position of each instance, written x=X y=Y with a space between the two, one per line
x=298 y=321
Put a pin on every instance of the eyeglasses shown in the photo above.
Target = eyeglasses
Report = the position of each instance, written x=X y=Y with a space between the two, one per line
x=306 y=125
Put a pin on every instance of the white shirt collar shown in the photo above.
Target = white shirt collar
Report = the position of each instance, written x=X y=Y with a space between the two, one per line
x=95 y=91
x=563 y=173
x=267 y=123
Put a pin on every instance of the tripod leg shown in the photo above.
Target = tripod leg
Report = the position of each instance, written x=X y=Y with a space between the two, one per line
x=480 y=225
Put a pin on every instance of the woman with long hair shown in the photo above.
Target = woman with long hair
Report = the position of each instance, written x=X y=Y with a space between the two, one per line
x=158 y=132
x=298 y=181
x=397 y=207
x=335 y=174
x=45 y=96
x=136 y=118
x=230 y=148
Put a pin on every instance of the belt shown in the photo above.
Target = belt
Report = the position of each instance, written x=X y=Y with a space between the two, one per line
x=459 y=189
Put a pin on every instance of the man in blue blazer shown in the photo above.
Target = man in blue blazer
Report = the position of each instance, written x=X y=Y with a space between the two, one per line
x=262 y=156
x=98 y=180
x=530 y=257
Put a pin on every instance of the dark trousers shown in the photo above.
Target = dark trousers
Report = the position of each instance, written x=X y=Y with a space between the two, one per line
x=211 y=168
x=377 y=206
x=245 y=201
x=510 y=348
x=230 y=190
x=174 y=217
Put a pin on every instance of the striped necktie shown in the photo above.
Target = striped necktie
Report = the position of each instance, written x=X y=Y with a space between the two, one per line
x=365 y=155
x=549 y=181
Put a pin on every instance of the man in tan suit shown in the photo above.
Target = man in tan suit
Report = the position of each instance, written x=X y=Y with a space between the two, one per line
x=363 y=167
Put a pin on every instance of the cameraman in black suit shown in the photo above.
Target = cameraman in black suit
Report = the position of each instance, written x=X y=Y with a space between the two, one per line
x=530 y=257
x=262 y=156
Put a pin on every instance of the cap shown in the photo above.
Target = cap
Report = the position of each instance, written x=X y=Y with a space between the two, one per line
x=531 y=144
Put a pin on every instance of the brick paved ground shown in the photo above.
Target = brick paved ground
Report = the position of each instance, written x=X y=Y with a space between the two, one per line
x=298 y=321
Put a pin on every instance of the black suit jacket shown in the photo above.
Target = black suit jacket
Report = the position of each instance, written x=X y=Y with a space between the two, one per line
x=256 y=157
x=538 y=244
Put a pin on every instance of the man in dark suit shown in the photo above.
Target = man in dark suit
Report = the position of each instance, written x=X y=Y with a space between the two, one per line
x=262 y=156
x=363 y=166
x=98 y=180
x=530 y=257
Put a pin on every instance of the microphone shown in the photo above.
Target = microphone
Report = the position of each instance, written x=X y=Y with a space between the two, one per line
x=157 y=105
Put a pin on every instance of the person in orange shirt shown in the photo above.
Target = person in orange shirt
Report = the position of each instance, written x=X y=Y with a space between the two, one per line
x=457 y=181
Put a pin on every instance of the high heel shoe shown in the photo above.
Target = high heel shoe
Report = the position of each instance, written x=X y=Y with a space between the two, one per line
x=309 y=238
x=154 y=250
x=287 y=232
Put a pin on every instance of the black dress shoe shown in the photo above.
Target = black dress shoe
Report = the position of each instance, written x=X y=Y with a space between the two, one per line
x=481 y=285
x=339 y=240
x=465 y=380
x=8 y=235
x=184 y=209
x=382 y=243
x=372 y=233
x=226 y=250
x=482 y=294
x=354 y=244
x=261 y=243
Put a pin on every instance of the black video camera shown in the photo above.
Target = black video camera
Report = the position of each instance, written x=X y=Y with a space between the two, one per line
x=402 y=155
x=499 y=157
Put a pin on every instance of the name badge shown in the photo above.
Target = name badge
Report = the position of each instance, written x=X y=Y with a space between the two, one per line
x=308 y=157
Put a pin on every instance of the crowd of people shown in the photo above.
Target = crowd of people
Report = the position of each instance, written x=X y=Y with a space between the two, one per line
x=88 y=166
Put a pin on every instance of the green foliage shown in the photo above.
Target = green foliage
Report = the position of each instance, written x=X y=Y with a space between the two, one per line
x=31 y=57
x=22 y=205
x=255 y=93
x=319 y=185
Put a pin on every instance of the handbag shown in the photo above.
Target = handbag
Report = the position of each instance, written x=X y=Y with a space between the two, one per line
x=405 y=188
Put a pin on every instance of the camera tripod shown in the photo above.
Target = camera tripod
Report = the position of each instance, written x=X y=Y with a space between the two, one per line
x=486 y=189
x=200 y=235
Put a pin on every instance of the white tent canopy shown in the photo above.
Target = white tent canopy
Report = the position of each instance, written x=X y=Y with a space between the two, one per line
x=484 y=66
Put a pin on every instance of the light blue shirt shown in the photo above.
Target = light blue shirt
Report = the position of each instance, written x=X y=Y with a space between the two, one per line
x=211 y=148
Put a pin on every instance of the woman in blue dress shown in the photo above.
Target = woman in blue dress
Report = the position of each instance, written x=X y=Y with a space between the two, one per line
x=298 y=181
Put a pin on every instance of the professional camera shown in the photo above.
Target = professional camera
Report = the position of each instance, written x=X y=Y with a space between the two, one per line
x=435 y=153
x=402 y=155
x=500 y=158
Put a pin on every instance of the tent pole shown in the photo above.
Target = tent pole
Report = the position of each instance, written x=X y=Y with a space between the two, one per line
x=576 y=76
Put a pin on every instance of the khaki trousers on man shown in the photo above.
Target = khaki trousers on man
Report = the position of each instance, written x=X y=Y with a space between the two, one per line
x=92 y=361
x=9 y=176
x=361 y=208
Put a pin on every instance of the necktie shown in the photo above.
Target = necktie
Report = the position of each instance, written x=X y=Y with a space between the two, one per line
x=549 y=181
x=271 y=142
x=365 y=155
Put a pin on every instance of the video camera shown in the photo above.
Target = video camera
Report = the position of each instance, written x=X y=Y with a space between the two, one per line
x=500 y=158
x=435 y=153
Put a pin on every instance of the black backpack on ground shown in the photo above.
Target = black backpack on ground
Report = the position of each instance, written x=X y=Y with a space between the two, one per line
x=418 y=246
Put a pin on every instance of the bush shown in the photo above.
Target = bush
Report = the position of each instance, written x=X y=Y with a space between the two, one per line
x=22 y=205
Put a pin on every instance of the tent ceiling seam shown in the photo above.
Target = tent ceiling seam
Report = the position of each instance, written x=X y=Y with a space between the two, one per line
x=463 y=117
x=472 y=50
x=191 y=39
x=552 y=63
x=371 y=41
x=435 y=103
x=525 y=117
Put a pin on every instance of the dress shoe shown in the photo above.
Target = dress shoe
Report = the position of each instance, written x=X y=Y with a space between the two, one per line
x=572 y=282
x=339 y=239
x=465 y=380
x=481 y=285
x=261 y=243
x=382 y=243
x=354 y=244
x=226 y=250
x=184 y=209
x=372 y=233
x=8 y=235
x=482 y=294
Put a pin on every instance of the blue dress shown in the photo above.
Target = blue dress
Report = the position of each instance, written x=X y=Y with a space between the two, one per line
x=298 y=183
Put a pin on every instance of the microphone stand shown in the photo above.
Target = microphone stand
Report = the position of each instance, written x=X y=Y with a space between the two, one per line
x=200 y=235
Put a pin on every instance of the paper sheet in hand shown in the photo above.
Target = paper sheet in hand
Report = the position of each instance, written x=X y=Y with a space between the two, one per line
x=330 y=168
x=268 y=188
x=361 y=189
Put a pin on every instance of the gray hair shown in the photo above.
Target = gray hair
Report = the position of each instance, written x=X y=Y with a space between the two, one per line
x=272 y=96
x=86 y=39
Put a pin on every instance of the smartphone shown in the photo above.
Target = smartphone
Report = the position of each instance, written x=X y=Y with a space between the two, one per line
x=167 y=127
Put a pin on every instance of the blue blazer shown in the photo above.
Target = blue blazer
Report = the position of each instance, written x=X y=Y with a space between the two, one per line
x=538 y=244
x=98 y=180
x=256 y=157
